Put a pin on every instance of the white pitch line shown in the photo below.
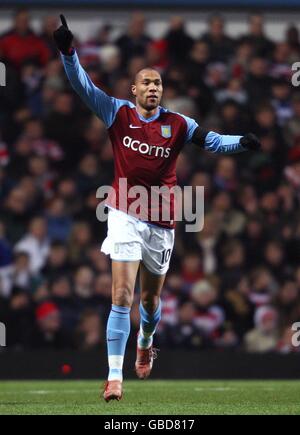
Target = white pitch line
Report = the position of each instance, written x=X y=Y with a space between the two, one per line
x=215 y=389
x=45 y=392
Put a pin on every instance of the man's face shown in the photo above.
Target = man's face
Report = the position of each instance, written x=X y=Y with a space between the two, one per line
x=256 y=25
x=22 y=22
x=148 y=89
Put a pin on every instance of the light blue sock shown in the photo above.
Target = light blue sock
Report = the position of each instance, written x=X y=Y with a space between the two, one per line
x=117 y=333
x=148 y=326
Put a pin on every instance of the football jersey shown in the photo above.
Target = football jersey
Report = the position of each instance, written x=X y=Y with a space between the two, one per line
x=145 y=150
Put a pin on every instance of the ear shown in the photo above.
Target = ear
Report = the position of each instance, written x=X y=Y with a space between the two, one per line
x=133 y=89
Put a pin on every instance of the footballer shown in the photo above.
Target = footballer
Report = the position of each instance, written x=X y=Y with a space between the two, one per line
x=146 y=140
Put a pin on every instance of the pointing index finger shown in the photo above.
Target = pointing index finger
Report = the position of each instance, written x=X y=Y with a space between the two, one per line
x=63 y=21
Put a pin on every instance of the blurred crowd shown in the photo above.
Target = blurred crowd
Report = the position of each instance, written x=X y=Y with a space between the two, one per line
x=235 y=284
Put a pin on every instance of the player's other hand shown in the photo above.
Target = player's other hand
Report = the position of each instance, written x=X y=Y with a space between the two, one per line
x=63 y=37
x=250 y=142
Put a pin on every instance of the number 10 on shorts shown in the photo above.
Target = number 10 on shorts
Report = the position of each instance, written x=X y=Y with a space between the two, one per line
x=165 y=256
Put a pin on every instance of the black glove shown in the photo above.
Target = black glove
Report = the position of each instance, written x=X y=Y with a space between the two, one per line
x=250 y=142
x=63 y=37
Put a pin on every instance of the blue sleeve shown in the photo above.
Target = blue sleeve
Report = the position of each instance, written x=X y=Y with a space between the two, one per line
x=223 y=144
x=104 y=106
x=191 y=127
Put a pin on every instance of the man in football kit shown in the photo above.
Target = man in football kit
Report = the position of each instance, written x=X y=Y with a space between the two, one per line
x=146 y=141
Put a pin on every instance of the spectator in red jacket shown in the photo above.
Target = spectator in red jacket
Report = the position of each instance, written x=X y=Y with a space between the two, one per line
x=20 y=44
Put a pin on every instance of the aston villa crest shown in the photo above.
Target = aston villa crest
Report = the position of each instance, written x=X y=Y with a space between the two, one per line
x=166 y=131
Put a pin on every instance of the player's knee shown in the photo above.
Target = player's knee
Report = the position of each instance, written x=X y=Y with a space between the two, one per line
x=123 y=296
x=150 y=303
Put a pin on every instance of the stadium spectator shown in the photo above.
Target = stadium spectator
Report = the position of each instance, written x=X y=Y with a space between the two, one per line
x=84 y=286
x=36 y=244
x=57 y=127
x=62 y=296
x=263 y=338
x=58 y=222
x=49 y=333
x=253 y=239
x=41 y=145
x=171 y=298
x=157 y=55
x=209 y=316
x=6 y=258
x=274 y=260
x=134 y=42
x=192 y=269
x=102 y=293
x=263 y=286
x=225 y=176
x=49 y=24
x=208 y=242
x=21 y=275
x=79 y=242
x=262 y=45
x=281 y=100
x=58 y=262
x=238 y=307
x=287 y=303
x=185 y=334
x=20 y=44
x=292 y=127
x=178 y=40
x=232 y=262
x=14 y=214
x=292 y=39
x=89 y=334
x=234 y=93
x=220 y=45
x=280 y=68
x=258 y=83
x=20 y=320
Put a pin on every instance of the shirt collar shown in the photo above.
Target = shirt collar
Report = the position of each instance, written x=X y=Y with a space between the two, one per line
x=153 y=118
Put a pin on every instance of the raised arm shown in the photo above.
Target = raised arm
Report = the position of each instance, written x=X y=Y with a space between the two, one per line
x=104 y=106
x=224 y=144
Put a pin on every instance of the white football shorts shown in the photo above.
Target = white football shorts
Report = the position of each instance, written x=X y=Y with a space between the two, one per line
x=129 y=239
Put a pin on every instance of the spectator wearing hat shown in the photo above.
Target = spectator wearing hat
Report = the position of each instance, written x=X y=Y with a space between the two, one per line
x=263 y=338
x=209 y=316
x=49 y=333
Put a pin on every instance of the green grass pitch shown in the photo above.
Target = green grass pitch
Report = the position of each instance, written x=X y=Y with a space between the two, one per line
x=151 y=398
